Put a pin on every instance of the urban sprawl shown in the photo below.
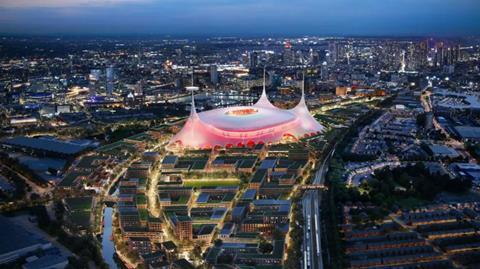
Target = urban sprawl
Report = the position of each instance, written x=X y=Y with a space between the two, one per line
x=309 y=152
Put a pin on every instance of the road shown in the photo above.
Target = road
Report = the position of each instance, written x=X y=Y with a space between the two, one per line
x=312 y=247
x=312 y=232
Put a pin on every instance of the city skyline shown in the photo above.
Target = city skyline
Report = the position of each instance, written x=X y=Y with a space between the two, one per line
x=248 y=18
x=267 y=134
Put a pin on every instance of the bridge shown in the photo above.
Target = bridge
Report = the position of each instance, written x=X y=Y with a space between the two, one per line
x=314 y=187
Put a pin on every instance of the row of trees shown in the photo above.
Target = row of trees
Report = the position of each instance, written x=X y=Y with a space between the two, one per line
x=412 y=181
x=294 y=251
x=15 y=165
x=85 y=247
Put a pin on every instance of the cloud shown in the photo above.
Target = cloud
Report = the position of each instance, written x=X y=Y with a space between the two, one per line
x=63 y=3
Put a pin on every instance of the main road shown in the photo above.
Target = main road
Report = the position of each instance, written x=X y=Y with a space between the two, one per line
x=312 y=232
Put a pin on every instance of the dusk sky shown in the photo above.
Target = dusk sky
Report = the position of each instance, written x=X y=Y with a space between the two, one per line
x=241 y=17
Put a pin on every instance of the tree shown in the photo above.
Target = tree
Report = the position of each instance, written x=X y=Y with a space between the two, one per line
x=59 y=211
x=218 y=242
x=197 y=252
x=265 y=247
x=421 y=119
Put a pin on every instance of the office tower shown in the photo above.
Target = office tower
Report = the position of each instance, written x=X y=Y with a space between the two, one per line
x=288 y=54
x=402 y=61
x=110 y=77
x=439 y=54
x=314 y=57
x=333 y=52
x=324 y=71
x=214 y=74
x=94 y=80
x=138 y=90
x=253 y=59
x=423 y=53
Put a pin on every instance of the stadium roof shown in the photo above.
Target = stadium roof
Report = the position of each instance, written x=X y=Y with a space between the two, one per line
x=246 y=125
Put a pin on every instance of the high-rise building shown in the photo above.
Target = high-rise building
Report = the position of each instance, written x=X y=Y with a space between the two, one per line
x=214 y=74
x=314 y=57
x=110 y=77
x=324 y=71
x=288 y=54
x=333 y=52
x=94 y=80
x=439 y=54
x=402 y=61
x=138 y=89
x=253 y=59
x=423 y=54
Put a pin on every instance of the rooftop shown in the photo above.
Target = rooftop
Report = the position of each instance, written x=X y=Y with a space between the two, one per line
x=47 y=144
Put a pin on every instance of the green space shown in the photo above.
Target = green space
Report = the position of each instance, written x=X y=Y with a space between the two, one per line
x=79 y=203
x=118 y=148
x=80 y=218
x=183 y=199
x=141 y=199
x=210 y=183
x=126 y=131
x=143 y=214
x=411 y=203
x=79 y=211
x=141 y=137
x=70 y=178
x=86 y=248
x=294 y=251
x=326 y=119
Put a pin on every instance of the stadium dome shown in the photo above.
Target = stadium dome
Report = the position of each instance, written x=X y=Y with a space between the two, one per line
x=246 y=125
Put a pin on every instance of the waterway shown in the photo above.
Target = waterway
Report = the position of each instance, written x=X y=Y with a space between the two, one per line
x=108 y=246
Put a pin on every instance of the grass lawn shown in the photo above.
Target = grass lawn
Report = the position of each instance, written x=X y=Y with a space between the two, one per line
x=79 y=203
x=141 y=199
x=210 y=183
x=81 y=218
x=410 y=203
x=143 y=214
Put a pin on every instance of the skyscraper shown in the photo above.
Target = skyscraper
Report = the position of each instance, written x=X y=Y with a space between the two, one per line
x=333 y=52
x=214 y=74
x=314 y=57
x=94 y=79
x=253 y=59
x=138 y=89
x=288 y=54
x=110 y=77
x=324 y=71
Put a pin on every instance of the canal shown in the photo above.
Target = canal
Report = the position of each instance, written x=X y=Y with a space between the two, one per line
x=108 y=246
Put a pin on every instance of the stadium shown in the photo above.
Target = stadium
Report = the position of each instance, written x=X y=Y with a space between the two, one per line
x=261 y=123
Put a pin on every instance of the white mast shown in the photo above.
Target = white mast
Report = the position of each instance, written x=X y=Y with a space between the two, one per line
x=263 y=100
x=192 y=88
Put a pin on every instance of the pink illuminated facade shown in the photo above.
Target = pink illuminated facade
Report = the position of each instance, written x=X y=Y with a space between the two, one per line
x=246 y=125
